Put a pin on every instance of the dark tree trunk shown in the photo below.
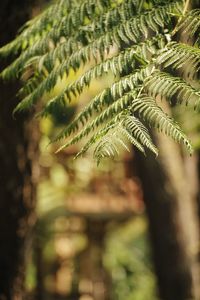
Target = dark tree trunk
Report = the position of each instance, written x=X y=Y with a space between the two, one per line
x=17 y=151
x=171 y=209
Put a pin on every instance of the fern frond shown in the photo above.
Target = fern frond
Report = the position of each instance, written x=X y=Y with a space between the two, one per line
x=112 y=111
x=152 y=113
x=178 y=55
x=139 y=131
x=128 y=32
x=166 y=85
x=117 y=65
x=99 y=134
x=130 y=129
x=65 y=15
x=72 y=19
x=49 y=83
x=106 y=98
x=87 y=33
x=191 y=22
x=71 y=34
x=107 y=128
x=109 y=145
x=36 y=28
x=64 y=30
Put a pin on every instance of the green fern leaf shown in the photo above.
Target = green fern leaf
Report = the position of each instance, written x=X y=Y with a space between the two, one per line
x=150 y=62
x=168 y=86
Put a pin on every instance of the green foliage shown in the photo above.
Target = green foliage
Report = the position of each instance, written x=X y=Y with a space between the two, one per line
x=150 y=62
x=128 y=260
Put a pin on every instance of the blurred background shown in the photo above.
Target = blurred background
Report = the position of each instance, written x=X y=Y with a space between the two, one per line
x=127 y=229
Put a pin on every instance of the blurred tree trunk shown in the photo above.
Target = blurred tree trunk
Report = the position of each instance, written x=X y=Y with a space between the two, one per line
x=17 y=155
x=171 y=204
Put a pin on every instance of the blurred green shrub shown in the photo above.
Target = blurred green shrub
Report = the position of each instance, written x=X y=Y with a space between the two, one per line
x=128 y=260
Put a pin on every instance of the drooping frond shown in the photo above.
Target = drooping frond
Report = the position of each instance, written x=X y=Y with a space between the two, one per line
x=136 y=129
x=109 y=139
x=37 y=28
x=117 y=65
x=166 y=85
x=130 y=31
x=179 y=55
x=114 y=109
x=89 y=32
x=73 y=18
x=107 y=97
x=136 y=41
x=191 y=22
x=129 y=129
x=152 y=113
x=64 y=15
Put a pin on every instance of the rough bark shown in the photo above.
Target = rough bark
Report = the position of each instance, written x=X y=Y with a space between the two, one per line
x=172 y=213
x=17 y=151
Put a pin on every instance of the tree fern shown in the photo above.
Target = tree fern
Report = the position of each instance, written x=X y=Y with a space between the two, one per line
x=148 y=62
